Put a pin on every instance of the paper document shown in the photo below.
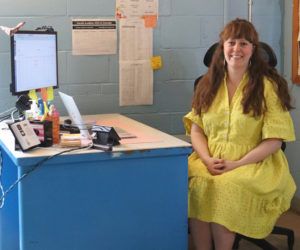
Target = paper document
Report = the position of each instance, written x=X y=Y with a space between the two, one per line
x=94 y=36
x=136 y=8
x=124 y=134
x=136 y=74
x=136 y=41
x=136 y=83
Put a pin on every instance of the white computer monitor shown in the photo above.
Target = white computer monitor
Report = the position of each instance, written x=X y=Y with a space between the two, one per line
x=33 y=60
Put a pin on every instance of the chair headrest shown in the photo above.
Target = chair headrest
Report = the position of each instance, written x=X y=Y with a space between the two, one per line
x=268 y=54
x=209 y=54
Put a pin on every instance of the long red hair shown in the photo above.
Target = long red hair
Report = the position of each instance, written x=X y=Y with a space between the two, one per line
x=253 y=93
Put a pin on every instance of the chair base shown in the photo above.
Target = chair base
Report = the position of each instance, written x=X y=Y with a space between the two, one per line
x=264 y=244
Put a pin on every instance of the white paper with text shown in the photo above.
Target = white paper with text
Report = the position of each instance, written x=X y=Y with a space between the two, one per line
x=94 y=36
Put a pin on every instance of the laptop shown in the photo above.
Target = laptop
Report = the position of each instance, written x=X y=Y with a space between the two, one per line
x=75 y=115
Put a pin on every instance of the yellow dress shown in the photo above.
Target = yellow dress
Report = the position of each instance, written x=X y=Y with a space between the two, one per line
x=249 y=199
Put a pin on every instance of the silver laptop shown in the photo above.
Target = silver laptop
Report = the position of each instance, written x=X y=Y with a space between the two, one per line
x=75 y=114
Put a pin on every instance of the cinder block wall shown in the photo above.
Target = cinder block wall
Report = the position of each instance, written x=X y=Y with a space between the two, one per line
x=184 y=32
x=292 y=151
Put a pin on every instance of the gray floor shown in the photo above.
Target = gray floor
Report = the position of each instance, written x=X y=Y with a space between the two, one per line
x=289 y=219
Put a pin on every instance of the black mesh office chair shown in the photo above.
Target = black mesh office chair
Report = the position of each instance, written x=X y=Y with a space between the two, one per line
x=269 y=56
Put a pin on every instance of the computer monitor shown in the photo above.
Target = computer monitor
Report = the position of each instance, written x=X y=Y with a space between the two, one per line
x=33 y=61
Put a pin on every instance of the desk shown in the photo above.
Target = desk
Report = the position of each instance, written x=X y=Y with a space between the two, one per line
x=132 y=198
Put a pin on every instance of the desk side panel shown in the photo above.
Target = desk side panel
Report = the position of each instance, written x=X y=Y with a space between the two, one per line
x=133 y=203
x=9 y=218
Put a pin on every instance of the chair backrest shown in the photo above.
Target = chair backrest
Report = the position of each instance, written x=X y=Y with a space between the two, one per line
x=267 y=53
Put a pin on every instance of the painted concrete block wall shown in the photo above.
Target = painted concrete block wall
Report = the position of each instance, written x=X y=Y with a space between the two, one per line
x=292 y=150
x=185 y=30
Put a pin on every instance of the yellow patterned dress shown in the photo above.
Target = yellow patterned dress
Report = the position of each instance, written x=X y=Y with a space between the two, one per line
x=249 y=199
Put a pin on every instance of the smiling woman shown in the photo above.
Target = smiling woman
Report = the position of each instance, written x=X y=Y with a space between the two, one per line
x=237 y=53
x=239 y=181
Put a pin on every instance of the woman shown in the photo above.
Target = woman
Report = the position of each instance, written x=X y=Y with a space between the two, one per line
x=239 y=179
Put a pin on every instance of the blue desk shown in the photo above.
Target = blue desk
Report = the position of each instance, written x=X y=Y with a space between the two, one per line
x=132 y=198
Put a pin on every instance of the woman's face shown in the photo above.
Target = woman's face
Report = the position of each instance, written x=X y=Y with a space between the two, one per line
x=237 y=53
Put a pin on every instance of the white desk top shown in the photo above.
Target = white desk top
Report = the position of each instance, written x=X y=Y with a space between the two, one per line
x=166 y=141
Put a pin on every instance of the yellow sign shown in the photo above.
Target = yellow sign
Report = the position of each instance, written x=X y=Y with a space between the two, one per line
x=156 y=62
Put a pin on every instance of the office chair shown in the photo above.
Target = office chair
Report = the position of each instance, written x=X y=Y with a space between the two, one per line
x=270 y=57
x=267 y=54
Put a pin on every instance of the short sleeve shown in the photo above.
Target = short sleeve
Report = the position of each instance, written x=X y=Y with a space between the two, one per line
x=277 y=122
x=191 y=118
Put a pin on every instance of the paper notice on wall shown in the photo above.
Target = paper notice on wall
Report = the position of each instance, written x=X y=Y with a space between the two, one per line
x=150 y=21
x=94 y=36
x=156 y=62
x=136 y=74
x=136 y=83
x=136 y=8
x=136 y=41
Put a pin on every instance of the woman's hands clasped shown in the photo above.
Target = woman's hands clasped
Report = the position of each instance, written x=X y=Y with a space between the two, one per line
x=218 y=166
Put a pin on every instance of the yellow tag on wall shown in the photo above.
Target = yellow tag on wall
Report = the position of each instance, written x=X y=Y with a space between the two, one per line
x=156 y=62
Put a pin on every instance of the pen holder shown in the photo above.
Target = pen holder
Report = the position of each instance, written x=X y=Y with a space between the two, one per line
x=55 y=127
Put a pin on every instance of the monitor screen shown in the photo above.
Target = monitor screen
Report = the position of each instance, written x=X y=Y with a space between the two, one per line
x=33 y=61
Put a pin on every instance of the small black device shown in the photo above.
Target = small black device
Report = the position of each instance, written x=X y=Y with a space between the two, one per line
x=67 y=127
x=45 y=28
x=43 y=129
x=23 y=103
x=105 y=137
